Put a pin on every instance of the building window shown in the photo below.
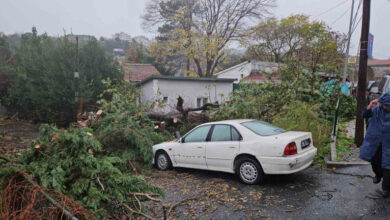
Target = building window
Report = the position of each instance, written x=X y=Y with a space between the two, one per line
x=198 y=102
x=242 y=76
x=165 y=99
x=201 y=101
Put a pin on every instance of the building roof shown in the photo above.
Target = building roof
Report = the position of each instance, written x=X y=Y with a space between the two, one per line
x=233 y=67
x=257 y=76
x=379 y=62
x=136 y=72
x=181 y=78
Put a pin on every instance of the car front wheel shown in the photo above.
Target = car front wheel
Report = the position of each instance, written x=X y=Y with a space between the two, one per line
x=249 y=171
x=163 y=162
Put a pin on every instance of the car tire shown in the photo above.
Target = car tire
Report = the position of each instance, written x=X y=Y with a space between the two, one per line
x=163 y=162
x=249 y=171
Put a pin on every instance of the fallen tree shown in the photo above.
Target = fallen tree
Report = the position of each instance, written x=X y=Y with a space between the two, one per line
x=180 y=116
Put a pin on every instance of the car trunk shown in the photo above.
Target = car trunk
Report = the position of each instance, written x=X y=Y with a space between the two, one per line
x=303 y=140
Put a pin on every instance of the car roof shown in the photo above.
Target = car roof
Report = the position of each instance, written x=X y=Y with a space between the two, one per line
x=235 y=121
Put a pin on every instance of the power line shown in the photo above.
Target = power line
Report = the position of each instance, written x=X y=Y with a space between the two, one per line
x=360 y=19
x=357 y=11
x=330 y=9
x=342 y=15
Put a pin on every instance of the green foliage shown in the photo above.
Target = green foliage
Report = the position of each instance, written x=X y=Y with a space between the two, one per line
x=74 y=162
x=257 y=101
x=42 y=79
x=125 y=131
x=291 y=104
x=302 y=116
x=347 y=108
x=120 y=98
x=130 y=137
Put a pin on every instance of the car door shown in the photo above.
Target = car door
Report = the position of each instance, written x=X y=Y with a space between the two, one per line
x=191 y=152
x=222 y=148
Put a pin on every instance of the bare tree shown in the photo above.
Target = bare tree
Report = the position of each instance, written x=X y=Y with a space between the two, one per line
x=202 y=29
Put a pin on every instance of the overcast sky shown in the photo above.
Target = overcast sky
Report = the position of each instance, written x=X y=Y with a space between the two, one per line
x=106 y=17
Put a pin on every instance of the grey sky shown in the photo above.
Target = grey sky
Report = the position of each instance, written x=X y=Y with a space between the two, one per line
x=106 y=17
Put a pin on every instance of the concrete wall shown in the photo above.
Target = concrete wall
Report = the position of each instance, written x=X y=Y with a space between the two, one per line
x=243 y=70
x=190 y=90
x=380 y=71
x=237 y=72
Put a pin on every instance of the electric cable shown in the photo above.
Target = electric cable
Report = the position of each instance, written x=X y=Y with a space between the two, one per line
x=330 y=9
x=341 y=16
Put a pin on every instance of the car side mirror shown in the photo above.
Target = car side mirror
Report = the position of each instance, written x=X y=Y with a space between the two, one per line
x=181 y=140
x=374 y=90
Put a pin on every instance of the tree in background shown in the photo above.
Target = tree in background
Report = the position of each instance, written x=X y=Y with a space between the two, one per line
x=306 y=47
x=42 y=81
x=200 y=30
x=138 y=53
x=5 y=61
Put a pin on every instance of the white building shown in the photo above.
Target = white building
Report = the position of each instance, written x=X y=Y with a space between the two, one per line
x=194 y=91
x=247 y=68
x=122 y=36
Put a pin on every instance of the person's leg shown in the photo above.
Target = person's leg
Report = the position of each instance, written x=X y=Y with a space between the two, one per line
x=386 y=183
x=376 y=164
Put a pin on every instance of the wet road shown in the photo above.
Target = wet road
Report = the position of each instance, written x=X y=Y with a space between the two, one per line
x=310 y=194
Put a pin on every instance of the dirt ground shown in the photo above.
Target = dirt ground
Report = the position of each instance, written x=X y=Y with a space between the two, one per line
x=15 y=135
x=314 y=193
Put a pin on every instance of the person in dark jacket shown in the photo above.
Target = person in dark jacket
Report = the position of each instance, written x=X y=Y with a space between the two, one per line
x=376 y=144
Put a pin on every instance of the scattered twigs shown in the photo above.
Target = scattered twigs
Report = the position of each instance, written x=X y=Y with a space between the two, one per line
x=148 y=195
x=178 y=203
x=23 y=198
x=133 y=167
x=293 y=210
x=100 y=183
x=373 y=197
x=351 y=174
x=4 y=158
x=137 y=212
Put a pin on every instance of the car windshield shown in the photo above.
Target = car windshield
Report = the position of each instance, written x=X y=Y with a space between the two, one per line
x=263 y=128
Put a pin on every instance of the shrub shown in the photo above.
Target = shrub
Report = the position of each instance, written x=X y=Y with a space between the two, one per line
x=130 y=137
x=302 y=116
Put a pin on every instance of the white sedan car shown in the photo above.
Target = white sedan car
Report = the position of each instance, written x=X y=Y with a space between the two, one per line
x=249 y=148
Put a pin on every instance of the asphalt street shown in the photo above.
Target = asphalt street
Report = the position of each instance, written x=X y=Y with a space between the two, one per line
x=311 y=194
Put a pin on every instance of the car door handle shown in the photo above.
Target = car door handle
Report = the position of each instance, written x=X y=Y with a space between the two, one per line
x=232 y=147
x=200 y=147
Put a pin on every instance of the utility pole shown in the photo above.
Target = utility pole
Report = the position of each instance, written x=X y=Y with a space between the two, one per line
x=361 y=93
x=76 y=78
x=335 y=120
x=348 y=44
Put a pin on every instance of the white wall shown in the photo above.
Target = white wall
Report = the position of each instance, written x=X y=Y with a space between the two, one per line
x=237 y=72
x=243 y=70
x=189 y=90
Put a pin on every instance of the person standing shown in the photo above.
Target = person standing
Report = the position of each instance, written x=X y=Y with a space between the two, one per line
x=376 y=144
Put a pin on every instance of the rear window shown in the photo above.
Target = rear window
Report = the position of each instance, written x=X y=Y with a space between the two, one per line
x=263 y=128
x=382 y=84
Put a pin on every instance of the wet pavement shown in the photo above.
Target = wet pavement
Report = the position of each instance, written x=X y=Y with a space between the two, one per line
x=311 y=194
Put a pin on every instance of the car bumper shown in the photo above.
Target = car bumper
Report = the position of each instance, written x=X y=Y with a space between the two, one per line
x=289 y=164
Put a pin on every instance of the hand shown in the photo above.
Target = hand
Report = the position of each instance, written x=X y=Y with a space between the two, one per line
x=373 y=103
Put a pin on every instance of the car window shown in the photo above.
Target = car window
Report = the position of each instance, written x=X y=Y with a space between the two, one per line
x=198 y=135
x=221 y=133
x=382 y=84
x=263 y=128
x=235 y=134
